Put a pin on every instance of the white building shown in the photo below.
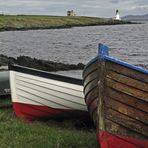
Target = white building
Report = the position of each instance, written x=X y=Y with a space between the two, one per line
x=71 y=13
x=117 y=17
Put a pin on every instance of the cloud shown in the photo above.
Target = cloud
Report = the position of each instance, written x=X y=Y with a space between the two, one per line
x=115 y=1
x=104 y=8
x=136 y=7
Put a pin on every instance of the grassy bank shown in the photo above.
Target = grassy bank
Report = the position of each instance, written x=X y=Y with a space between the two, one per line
x=18 y=134
x=25 y=22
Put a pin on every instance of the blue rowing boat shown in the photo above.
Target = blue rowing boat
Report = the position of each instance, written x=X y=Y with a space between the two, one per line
x=116 y=94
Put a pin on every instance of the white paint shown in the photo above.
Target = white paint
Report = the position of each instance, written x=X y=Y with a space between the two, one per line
x=34 y=90
x=117 y=17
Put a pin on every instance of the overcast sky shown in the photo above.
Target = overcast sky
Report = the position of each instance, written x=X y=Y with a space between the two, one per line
x=102 y=8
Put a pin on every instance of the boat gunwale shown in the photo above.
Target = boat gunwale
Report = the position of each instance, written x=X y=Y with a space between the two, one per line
x=104 y=55
x=44 y=74
x=89 y=64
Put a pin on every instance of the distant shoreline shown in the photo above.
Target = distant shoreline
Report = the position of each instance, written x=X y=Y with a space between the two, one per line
x=45 y=65
x=34 y=22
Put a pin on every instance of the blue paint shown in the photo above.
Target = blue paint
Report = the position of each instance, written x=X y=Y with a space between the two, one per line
x=103 y=51
x=103 y=54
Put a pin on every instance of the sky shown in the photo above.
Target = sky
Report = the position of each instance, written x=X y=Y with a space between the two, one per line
x=99 y=8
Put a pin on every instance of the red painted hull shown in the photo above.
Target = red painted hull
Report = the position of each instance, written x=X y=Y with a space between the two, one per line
x=108 y=140
x=35 y=112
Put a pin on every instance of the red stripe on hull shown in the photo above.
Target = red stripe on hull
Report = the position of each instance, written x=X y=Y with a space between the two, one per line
x=35 y=112
x=108 y=140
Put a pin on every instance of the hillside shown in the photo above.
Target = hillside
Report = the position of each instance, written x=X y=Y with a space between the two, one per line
x=136 y=17
x=25 y=22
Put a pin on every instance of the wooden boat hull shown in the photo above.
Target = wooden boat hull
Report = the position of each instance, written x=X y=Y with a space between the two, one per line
x=90 y=79
x=37 y=94
x=118 y=93
x=108 y=140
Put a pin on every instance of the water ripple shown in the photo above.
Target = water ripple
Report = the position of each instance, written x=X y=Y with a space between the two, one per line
x=79 y=44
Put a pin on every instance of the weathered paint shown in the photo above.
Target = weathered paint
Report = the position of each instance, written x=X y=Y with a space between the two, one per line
x=31 y=112
x=103 y=54
x=121 y=100
x=108 y=140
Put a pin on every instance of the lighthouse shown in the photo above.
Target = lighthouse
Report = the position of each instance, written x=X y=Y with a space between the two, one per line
x=117 y=17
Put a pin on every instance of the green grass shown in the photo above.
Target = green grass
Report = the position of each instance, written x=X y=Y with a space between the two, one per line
x=15 y=133
x=25 y=22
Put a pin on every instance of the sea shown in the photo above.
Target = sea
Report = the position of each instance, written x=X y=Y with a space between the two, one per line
x=79 y=44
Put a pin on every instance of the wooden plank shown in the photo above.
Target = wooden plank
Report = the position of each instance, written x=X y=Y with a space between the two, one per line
x=90 y=91
x=127 y=110
x=126 y=71
x=101 y=93
x=127 y=99
x=127 y=89
x=92 y=106
x=91 y=96
x=126 y=121
x=91 y=100
x=90 y=68
x=94 y=115
x=118 y=129
x=93 y=75
x=127 y=80
x=90 y=86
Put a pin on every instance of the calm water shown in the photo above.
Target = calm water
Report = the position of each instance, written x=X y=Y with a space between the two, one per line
x=79 y=44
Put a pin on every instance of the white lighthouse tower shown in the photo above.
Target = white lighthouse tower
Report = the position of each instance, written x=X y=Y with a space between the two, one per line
x=117 y=17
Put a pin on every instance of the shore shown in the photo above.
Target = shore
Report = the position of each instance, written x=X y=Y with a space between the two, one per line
x=27 y=22
x=38 y=63
x=42 y=64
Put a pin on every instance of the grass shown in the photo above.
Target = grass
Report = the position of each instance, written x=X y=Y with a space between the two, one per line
x=15 y=133
x=25 y=22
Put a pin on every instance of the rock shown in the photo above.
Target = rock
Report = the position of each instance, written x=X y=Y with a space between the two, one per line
x=39 y=64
